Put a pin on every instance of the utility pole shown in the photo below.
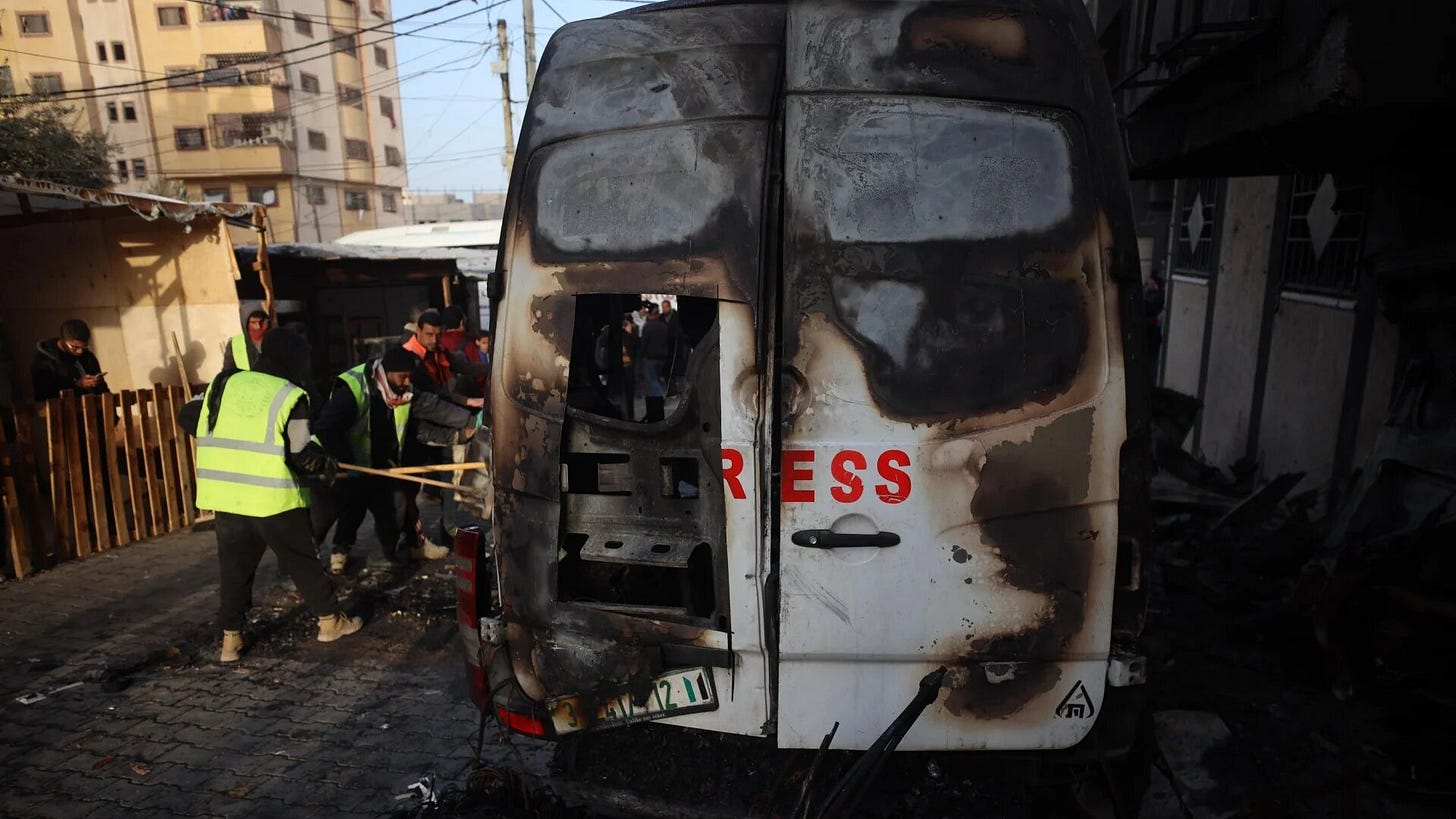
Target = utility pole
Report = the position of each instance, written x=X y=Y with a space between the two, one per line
x=503 y=68
x=528 y=19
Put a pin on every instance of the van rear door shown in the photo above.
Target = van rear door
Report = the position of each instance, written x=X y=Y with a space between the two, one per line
x=951 y=405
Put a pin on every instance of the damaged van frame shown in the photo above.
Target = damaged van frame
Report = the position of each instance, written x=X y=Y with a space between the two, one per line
x=911 y=430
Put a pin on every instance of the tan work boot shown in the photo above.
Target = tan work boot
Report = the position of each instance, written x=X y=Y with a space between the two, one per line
x=429 y=550
x=337 y=562
x=335 y=626
x=232 y=647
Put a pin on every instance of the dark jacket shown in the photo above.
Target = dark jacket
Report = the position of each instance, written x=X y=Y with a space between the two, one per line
x=338 y=417
x=55 y=370
x=656 y=340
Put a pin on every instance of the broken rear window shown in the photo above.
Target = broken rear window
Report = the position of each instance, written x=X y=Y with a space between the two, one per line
x=949 y=241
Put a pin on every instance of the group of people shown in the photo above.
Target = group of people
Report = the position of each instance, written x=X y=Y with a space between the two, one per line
x=654 y=350
x=268 y=463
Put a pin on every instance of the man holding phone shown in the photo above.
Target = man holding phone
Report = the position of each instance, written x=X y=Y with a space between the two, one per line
x=66 y=363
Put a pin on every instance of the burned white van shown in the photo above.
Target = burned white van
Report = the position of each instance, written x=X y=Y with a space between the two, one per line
x=903 y=424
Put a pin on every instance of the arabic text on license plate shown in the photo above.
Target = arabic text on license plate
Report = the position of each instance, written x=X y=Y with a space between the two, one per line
x=684 y=691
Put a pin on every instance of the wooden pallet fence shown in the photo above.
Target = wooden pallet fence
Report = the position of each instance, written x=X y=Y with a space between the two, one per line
x=81 y=475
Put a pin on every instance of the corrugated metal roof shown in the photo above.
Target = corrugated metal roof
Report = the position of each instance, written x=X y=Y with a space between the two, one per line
x=50 y=196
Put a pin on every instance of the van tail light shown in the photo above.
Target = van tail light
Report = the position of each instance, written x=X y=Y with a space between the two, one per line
x=521 y=723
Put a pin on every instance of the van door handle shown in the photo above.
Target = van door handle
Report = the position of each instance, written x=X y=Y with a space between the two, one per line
x=826 y=539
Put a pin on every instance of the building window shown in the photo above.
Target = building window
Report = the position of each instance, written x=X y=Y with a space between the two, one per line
x=216 y=195
x=356 y=200
x=318 y=141
x=302 y=25
x=387 y=202
x=190 y=139
x=183 y=79
x=381 y=56
x=356 y=149
x=34 y=24
x=118 y=51
x=121 y=169
x=42 y=84
x=263 y=195
x=1196 y=253
x=128 y=112
x=111 y=112
x=169 y=16
x=377 y=7
x=1324 y=228
x=315 y=194
x=349 y=95
x=386 y=110
x=347 y=44
x=309 y=83
x=101 y=52
x=139 y=168
x=392 y=157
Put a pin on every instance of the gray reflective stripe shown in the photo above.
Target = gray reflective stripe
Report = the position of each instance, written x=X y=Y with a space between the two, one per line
x=250 y=480
x=213 y=442
x=274 y=410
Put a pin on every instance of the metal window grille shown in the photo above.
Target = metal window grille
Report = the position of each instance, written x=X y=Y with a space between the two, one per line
x=183 y=78
x=392 y=156
x=33 y=24
x=349 y=95
x=388 y=202
x=309 y=83
x=139 y=168
x=302 y=25
x=43 y=84
x=356 y=149
x=1200 y=208
x=318 y=141
x=1324 y=232
x=356 y=200
x=315 y=194
x=234 y=130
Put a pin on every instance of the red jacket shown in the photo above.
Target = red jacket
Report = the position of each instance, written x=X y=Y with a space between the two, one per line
x=437 y=362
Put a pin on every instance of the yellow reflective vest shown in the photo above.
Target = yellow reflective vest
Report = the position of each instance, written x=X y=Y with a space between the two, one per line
x=360 y=439
x=241 y=350
x=242 y=454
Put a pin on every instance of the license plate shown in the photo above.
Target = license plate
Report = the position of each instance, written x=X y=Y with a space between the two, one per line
x=684 y=691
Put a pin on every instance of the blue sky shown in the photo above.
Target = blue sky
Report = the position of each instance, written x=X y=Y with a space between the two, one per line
x=453 y=124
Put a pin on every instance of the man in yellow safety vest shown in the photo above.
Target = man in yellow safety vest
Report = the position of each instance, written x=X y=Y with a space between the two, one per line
x=364 y=422
x=252 y=447
x=243 y=349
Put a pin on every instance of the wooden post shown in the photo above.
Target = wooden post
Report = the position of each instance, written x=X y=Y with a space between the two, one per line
x=60 y=483
x=113 y=474
x=97 y=443
x=134 y=470
x=42 y=525
x=17 y=534
x=166 y=455
x=182 y=454
x=150 y=467
x=76 y=488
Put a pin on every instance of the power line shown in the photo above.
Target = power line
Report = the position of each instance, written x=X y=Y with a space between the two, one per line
x=112 y=90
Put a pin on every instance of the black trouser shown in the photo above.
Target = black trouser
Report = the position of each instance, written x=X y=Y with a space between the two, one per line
x=241 y=540
x=346 y=501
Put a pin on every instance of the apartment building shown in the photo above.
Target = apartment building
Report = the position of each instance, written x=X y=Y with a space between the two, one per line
x=295 y=107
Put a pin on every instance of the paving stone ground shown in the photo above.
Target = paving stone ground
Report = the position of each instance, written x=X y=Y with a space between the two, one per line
x=298 y=728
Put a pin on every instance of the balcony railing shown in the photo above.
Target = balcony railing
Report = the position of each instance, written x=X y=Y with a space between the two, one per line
x=250 y=130
x=227 y=12
x=244 y=69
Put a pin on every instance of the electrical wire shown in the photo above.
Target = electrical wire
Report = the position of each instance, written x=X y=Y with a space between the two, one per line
x=124 y=88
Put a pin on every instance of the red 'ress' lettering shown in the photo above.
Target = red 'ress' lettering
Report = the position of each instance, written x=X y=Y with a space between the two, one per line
x=732 y=468
x=898 y=488
x=793 y=473
x=851 y=486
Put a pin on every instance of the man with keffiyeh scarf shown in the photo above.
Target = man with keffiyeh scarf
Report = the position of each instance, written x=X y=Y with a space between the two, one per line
x=364 y=422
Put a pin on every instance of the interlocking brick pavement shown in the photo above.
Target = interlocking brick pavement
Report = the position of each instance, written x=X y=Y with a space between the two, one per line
x=158 y=728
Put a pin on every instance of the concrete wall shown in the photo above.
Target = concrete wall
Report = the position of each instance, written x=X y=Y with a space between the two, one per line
x=1249 y=214
x=1305 y=389
x=1183 y=321
x=134 y=282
